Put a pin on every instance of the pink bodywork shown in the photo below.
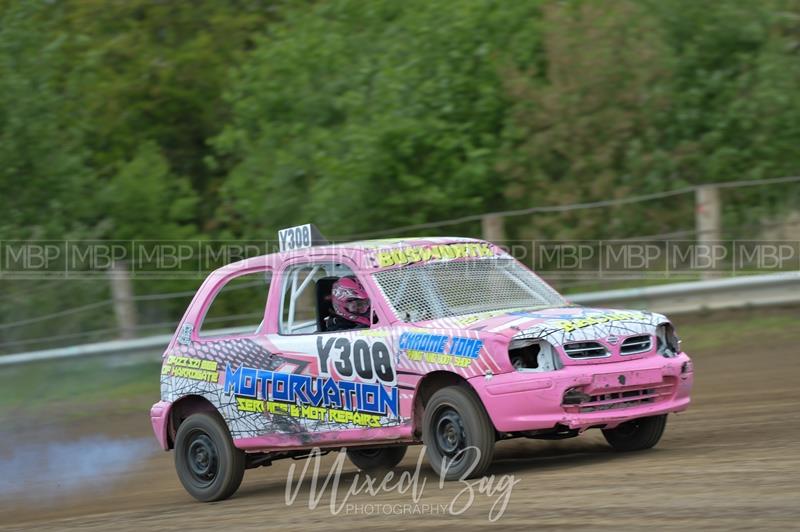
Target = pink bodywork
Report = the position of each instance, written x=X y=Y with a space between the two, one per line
x=516 y=401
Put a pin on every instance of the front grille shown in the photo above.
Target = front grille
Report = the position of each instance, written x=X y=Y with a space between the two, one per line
x=636 y=344
x=621 y=398
x=585 y=350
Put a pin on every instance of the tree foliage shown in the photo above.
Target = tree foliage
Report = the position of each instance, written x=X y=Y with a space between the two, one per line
x=44 y=178
x=126 y=119
x=356 y=115
x=234 y=118
x=584 y=126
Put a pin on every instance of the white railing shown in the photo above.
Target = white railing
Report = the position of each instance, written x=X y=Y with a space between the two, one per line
x=748 y=291
x=694 y=296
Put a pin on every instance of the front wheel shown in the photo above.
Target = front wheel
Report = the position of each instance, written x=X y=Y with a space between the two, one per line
x=377 y=459
x=458 y=435
x=208 y=464
x=637 y=434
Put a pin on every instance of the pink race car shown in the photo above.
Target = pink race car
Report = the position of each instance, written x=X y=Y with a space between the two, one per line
x=373 y=346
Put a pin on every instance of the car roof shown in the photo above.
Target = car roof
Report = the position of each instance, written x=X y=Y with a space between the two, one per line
x=357 y=251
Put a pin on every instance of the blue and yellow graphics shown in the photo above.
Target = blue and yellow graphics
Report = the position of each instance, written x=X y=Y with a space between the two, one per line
x=440 y=349
x=313 y=398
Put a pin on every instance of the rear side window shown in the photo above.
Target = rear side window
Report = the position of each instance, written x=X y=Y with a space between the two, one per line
x=238 y=307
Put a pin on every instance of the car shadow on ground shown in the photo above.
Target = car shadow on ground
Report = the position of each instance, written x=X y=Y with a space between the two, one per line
x=510 y=458
x=525 y=455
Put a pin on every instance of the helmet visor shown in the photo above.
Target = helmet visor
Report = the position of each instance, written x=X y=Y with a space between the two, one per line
x=357 y=306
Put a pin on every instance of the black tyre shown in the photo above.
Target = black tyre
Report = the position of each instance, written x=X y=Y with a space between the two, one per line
x=638 y=434
x=377 y=459
x=208 y=464
x=458 y=435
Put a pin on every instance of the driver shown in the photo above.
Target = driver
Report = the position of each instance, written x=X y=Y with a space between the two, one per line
x=350 y=303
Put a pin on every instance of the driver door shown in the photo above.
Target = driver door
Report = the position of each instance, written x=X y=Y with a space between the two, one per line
x=350 y=382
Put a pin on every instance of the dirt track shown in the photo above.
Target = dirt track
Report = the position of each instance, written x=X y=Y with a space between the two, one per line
x=731 y=461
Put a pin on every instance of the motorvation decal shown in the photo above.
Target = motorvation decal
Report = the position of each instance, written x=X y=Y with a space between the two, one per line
x=200 y=369
x=440 y=348
x=312 y=398
x=414 y=254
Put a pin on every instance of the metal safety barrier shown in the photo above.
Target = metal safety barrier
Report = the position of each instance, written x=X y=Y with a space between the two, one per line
x=736 y=292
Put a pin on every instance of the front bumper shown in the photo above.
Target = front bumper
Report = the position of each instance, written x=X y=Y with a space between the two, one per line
x=615 y=393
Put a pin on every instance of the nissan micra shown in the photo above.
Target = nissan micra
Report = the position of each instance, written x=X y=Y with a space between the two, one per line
x=368 y=347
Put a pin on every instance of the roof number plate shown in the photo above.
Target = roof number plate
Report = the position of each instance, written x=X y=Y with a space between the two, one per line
x=295 y=237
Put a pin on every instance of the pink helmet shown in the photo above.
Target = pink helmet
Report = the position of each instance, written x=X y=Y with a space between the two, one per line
x=350 y=300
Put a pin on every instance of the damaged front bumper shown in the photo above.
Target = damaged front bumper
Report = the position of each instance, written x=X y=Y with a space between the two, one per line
x=586 y=396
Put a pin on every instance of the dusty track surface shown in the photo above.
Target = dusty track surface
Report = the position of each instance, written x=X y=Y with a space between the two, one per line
x=731 y=461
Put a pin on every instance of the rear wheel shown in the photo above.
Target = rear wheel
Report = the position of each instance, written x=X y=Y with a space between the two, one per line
x=637 y=434
x=377 y=459
x=458 y=435
x=208 y=464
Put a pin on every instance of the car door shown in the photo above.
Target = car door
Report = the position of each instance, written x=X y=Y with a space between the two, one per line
x=350 y=382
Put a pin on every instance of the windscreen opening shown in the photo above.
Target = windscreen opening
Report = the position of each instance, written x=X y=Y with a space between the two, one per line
x=452 y=288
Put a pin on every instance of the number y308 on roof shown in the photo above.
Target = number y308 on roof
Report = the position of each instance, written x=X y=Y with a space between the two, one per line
x=301 y=236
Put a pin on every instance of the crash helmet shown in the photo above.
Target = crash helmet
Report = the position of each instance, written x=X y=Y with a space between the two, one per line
x=350 y=300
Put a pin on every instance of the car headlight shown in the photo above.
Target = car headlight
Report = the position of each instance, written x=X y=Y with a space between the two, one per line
x=669 y=345
x=530 y=354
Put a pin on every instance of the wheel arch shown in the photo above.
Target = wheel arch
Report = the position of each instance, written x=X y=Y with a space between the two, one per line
x=430 y=384
x=182 y=409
